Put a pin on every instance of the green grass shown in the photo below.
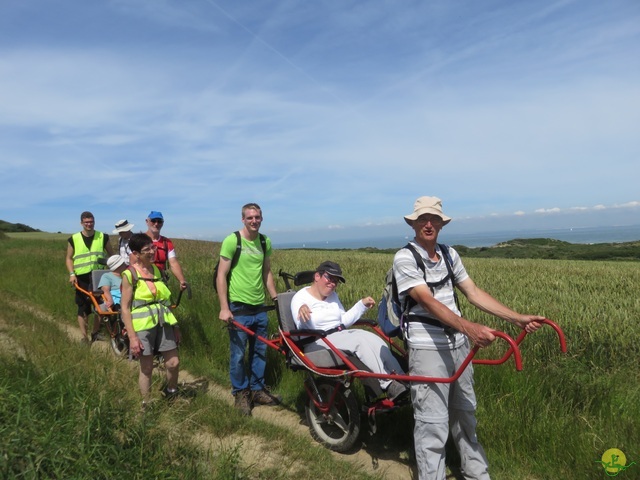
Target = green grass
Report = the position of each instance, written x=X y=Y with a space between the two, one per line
x=552 y=420
x=70 y=412
x=67 y=413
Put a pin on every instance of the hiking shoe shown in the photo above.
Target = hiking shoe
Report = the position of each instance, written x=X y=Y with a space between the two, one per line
x=265 y=397
x=170 y=394
x=397 y=391
x=243 y=403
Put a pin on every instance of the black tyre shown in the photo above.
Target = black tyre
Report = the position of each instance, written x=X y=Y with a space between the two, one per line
x=119 y=338
x=340 y=427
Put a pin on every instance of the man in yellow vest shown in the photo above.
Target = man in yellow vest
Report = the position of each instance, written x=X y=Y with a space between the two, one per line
x=84 y=250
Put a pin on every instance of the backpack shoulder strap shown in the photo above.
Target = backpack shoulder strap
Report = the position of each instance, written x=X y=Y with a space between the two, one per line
x=236 y=254
x=134 y=273
x=134 y=279
x=417 y=257
x=446 y=255
x=409 y=302
x=263 y=244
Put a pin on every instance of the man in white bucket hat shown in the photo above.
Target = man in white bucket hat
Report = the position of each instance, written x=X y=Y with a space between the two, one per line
x=438 y=339
x=124 y=231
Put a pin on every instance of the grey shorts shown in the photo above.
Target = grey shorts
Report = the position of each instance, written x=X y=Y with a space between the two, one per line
x=157 y=339
x=432 y=401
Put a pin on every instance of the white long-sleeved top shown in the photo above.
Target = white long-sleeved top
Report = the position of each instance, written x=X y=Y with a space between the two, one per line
x=325 y=314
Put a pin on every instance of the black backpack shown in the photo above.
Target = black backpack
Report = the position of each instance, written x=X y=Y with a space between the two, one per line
x=236 y=257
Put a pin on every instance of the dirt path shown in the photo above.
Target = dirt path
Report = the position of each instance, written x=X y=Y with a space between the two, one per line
x=255 y=450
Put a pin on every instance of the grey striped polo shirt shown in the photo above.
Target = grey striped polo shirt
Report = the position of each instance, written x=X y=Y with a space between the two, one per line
x=409 y=275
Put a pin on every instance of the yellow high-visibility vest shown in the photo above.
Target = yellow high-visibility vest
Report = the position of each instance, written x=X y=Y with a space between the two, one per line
x=147 y=309
x=85 y=259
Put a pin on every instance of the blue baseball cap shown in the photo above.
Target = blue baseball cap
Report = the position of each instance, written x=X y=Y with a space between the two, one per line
x=155 y=214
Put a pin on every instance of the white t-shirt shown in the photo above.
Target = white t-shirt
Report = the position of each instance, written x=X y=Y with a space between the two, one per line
x=409 y=275
x=325 y=314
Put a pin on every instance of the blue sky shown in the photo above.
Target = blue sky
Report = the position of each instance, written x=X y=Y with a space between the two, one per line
x=333 y=115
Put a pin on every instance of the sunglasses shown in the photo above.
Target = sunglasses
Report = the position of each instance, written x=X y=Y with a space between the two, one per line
x=330 y=278
x=156 y=221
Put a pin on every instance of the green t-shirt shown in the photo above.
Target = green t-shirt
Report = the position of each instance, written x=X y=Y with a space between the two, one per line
x=246 y=283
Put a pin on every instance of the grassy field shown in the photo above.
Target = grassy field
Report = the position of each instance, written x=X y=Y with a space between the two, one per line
x=552 y=420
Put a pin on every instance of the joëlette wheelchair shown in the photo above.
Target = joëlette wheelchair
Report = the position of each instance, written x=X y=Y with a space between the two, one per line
x=331 y=409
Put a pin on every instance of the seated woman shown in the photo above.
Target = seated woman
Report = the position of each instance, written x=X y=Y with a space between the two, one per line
x=110 y=283
x=318 y=307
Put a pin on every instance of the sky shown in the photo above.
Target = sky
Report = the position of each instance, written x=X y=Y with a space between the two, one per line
x=334 y=116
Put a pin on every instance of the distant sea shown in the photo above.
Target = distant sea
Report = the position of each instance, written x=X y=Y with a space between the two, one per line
x=584 y=235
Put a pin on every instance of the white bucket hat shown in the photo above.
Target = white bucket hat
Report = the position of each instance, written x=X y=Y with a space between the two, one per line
x=114 y=262
x=123 y=226
x=432 y=205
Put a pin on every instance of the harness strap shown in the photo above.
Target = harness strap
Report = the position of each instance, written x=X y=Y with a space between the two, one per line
x=303 y=342
x=434 y=285
x=339 y=328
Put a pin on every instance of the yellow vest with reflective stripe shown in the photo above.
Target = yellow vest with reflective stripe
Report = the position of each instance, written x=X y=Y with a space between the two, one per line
x=85 y=259
x=147 y=309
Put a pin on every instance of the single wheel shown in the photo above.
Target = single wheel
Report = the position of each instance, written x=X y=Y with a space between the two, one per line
x=339 y=428
x=119 y=337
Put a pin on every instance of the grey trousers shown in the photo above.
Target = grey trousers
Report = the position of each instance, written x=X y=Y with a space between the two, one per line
x=439 y=407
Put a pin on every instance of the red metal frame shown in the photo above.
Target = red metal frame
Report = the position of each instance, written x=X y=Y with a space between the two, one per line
x=286 y=339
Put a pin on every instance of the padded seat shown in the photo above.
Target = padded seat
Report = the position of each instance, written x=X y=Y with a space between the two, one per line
x=96 y=275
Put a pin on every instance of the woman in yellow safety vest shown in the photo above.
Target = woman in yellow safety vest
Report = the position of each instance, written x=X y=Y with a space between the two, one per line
x=147 y=316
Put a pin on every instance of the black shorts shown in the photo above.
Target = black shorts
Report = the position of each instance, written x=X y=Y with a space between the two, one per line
x=82 y=301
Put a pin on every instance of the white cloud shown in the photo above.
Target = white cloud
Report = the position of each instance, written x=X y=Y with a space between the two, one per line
x=196 y=107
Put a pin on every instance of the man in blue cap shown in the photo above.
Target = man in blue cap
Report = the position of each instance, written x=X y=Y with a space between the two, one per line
x=165 y=253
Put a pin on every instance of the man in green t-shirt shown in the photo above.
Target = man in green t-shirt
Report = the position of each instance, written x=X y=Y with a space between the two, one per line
x=242 y=300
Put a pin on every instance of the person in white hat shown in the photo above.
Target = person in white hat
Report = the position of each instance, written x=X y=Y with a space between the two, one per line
x=438 y=338
x=124 y=231
x=111 y=282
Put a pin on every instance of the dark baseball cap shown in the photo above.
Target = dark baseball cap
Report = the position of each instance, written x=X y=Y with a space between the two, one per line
x=332 y=268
